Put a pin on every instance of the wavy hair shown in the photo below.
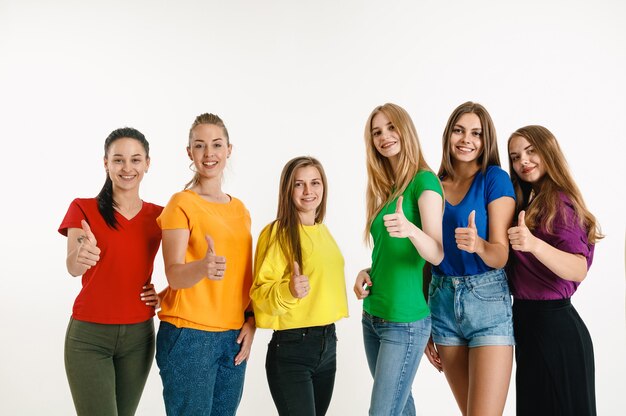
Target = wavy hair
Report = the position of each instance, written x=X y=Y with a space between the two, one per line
x=558 y=178
x=383 y=183
x=489 y=154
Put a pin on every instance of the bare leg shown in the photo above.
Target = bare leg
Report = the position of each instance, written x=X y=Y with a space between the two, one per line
x=489 y=379
x=455 y=366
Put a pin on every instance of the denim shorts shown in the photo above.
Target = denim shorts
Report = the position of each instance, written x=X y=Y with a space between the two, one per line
x=471 y=310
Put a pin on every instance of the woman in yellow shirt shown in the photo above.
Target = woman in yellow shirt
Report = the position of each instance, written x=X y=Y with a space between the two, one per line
x=205 y=334
x=299 y=291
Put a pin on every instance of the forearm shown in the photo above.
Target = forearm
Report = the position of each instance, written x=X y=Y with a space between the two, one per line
x=494 y=255
x=567 y=266
x=73 y=267
x=430 y=249
x=184 y=275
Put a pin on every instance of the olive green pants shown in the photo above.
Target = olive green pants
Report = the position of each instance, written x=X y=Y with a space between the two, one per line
x=107 y=366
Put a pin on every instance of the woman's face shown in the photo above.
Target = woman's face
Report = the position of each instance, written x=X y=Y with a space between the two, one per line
x=466 y=140
x=126 y=162
x=385 y=136
x=308 y=190
x=209 y=149
x=525 y=160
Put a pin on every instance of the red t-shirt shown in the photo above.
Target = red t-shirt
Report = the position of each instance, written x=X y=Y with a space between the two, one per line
x=111 y=289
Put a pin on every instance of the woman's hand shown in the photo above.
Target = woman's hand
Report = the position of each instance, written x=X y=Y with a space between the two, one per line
x=433 y=355
x=362 y=284
x=245 y=338
x=150 y=296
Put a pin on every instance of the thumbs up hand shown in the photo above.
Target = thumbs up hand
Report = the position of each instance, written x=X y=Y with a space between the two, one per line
x=520 y=237
x=397 y=225
x=467 y=237
x=88 y=253
x=214 y=266
x=299 y=283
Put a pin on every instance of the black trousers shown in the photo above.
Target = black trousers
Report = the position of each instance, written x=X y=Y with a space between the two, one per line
x=554 y=357
x=300 y=368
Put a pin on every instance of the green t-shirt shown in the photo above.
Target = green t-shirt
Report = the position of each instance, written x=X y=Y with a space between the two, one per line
x=396 y=293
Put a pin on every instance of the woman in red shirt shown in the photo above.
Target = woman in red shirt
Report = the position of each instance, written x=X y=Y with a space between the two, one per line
x=112 y=241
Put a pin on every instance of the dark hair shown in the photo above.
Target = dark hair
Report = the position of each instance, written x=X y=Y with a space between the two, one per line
x=106 y=203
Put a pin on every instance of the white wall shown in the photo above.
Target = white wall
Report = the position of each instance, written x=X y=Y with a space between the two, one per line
x=289 y=78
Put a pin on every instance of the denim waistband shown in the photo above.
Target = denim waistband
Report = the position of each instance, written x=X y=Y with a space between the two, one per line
x=472 y=280
x=323 y=330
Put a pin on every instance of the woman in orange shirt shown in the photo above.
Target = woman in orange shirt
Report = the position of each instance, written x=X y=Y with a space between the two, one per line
x=206 y=332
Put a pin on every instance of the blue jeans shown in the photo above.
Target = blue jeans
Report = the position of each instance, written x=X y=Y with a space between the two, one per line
x=198 y=371
x=300 y=368
x=473 y=311
x=393 y=351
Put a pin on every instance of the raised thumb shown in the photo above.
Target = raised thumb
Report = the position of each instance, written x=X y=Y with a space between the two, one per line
x=471 y=219
x=211 y=246
x=296 y=268
x=521 y=219
x=399 y=205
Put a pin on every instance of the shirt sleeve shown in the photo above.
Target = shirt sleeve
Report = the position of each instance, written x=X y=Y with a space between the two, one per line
x=498 y=184
x=72 y=218
x=569 y=236
x=174 y=215
x=270 y=288
x=425 y=180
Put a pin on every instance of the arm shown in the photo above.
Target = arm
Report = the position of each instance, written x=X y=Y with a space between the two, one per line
x=271 y=290
x=82 y=250
x=362 y=281
x=494 y=252
x=567 y=266
x=181 y=275
x=427 y=242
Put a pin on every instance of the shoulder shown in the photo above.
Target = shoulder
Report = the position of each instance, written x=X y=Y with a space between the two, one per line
x=425 y=180
x=496 y=172
x=152 y=209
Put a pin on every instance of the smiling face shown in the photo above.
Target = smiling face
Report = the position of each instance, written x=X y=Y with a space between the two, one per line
x=526 y=162
x=308 y=192
x=466 y=139
x=385 y=136
x=209 y=149
x=126 y=162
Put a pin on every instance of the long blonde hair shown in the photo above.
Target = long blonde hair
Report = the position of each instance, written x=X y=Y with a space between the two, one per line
x=546 y=204
x=205 y=118
x=383 y=184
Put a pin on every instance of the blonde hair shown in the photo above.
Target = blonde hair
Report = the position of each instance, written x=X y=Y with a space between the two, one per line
x=205 y=118
x=546 y=204
x=383 y=184
x=489 y=154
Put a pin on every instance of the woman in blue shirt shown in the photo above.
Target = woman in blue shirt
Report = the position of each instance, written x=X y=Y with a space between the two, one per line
x=469 y=296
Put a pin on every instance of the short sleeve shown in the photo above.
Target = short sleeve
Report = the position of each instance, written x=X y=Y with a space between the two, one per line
x=72 y=218
x=425 y=180
x=175 y=214
x=498 y=184
x=569 y=236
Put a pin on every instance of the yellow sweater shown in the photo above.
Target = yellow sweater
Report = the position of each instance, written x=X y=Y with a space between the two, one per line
x=274 y=306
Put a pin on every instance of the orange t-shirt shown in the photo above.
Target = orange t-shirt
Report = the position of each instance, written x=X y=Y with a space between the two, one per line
x=210 y=305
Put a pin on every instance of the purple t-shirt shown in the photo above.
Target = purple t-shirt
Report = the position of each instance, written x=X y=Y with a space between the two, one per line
x=530 y=279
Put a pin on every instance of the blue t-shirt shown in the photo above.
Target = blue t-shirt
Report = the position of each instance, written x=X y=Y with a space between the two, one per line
x=485 y=188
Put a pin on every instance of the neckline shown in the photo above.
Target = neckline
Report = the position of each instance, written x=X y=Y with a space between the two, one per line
x=211 y=202
x=119 y=214
x=466 y=192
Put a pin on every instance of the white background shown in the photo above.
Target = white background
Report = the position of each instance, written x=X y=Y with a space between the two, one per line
x=289 y=78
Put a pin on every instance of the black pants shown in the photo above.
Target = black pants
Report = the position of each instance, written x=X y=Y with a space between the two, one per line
x=554 y=356
x=300 y=368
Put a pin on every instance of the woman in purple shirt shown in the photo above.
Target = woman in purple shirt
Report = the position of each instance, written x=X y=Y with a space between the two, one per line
x=552 y=246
